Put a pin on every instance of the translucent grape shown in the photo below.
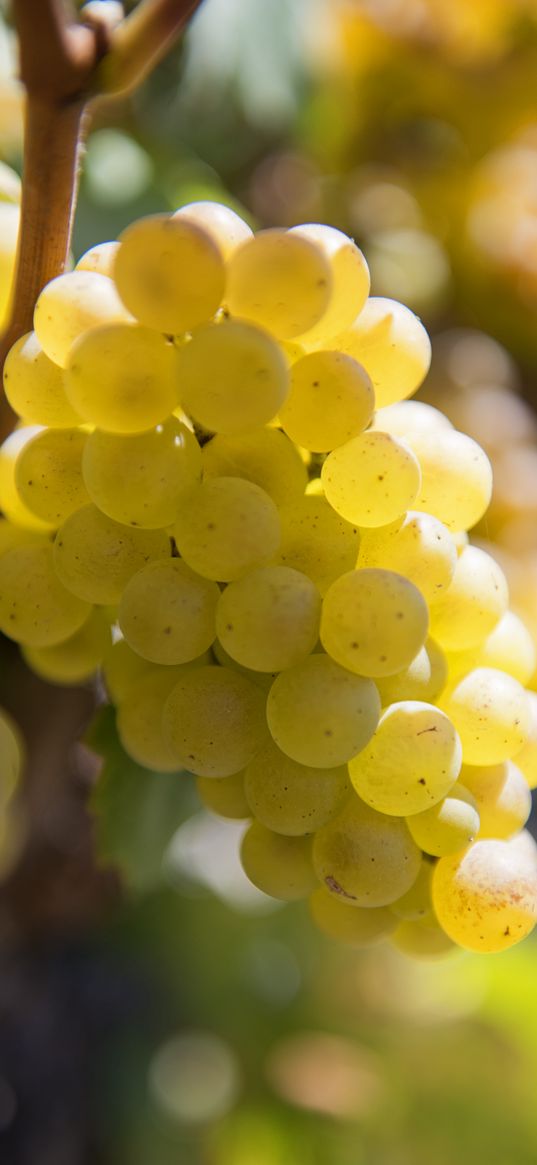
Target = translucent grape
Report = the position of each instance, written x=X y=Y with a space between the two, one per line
x=355 y=925
x=122 y=668
x=214 y=721
x=372 y=479
x=416 y=903
x=228 y=527
x=11 y=536
x=456 y=484
x=11 y=756
x=140 y=479
x=278 y=865
x=11 y=502
x=35 y=608
x=410 y=763
x=279 y=280
x=423 y=679
x=226 y=228
x=94 y=557
x=316 y=540
x=491 y=713
x=231 y=376
x=392 y=344
x=167 y=612
x=35 y=387
x=262 y=680
x=9 y=230
x=72 y=305
x=417 y=546
x=169 y=273
x=224 y=796
x=292 y=798
x=330 y=400
x=139 y=720
x=265 y=456
x=410 y=416
x=75 y=659
x=464 y=614
x=100 y=258
x=422 y=939
x=350 y=280
x=509 y=647
x=486 y=897
x=48 y=474
x=502 y=795
x=269 y=620
x=120 y=377
x=320 y=714
x=373 y=622
x=364 y=857
x=447 y=827
x=526 y=757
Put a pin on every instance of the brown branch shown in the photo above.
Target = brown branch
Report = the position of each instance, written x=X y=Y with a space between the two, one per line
x=140 y=42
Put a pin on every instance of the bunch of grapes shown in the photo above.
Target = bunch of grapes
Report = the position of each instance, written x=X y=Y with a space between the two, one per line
x=219 y=495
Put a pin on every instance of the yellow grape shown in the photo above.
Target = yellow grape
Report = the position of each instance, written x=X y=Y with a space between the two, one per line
x=278 y=865
x=417 y=546
x=316 y=540
x=121 y=668
x=35 y=386
x=373 y=622
x=447 y=827
x=120 y=377
x=355 y=925
x=372 y=479
x=350 y=280
x=526 y=758
x=364 y=857
x=416 y=903
x=227 y=527
x=509 y=647
x=320 y=714
x=269 y=620
x=74 y=659
x=463 y=615
x=139 y=720
x=226 y=228
x=491 y=713
x=167 y=612
x=12 y=535
x=12 y=755
x=411 y=761
x=422 y=939
x=11 y=503
x=169 y=273
x=292 y=798
x=279 y=280
x=214 y=721
x=486 y=897
x=100 y=258
x=502 y=795
x=423 y=679
x=224 y=796
x=265 y=456
x=35 y=608
x=263 y=680
x=48 y=474
x=410 y=416
x=392 y=344
x=456 y=482
x=72 y=305
x=94 y=557
x=330 y=400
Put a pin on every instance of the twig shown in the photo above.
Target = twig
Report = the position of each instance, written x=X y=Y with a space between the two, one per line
x=140 y=42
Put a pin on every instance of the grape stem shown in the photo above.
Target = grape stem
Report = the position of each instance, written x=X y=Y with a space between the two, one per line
x=66 y=64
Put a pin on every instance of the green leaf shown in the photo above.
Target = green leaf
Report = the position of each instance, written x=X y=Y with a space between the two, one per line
x=136 y=811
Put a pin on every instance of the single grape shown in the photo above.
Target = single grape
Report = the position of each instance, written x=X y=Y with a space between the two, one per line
x=224 y=796
x=36 y=609
x=214 y=721
x=226 y=228
x=121 y=669
x=227 y=527
x=392 y=344
x=48 y=474
x=422 y=939
x=139 y=720
x=292 y=798
x=277 y=865
x=355 y=925
x=410 y=416
x=417 y=546
x=265 y=456
x=364 y=857
x=120 y=377
x=11 y=503
x=423 y=679
x=269 y=620
x=509 y=647
x=100 y=258
x=526 y=758
x=279 y=280
x=456 y=477
x=416 y=904
x=350 y=280
x=373 y=622
x=35 y=386
x=447 y=827
x=502 y=796
x=94 y=557
x=491 y=713
x=77 y=658
x=72 y=305
x=330 y=400
x=167 y=612
x=316 y=540
x=372 y=479
x=464 y=614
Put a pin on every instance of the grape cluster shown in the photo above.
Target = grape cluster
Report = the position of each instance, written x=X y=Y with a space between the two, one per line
x=220 y=495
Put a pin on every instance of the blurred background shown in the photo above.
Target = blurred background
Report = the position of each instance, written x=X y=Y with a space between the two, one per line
x=169 y=1014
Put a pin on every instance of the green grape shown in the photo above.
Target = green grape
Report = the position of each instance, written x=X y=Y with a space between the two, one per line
x=416 y=904
x=279 y=280
x=122 y=668
x=75 y=659
x=464 y=614
x=456 y=477
x=373 y=622
x=423 y=679
x=417 y=546
x=167 y=612
x=364 y=857
x=231 y=376
x=410 y=416
x=355 y=925
x=265 y=456
x=70 y=306
x=330 y=400
x=372 y=479
x=447 y=827
x=11 y=503
x=224 y=796
x=392 y=344
x=140 y=479
x=269 y=620
x=486 y=897
x=262 y=680
x=292 y=798
x=169 y=273
x=502 y=796
x=48 y=474
x=35 y=386
x=410 y=763
x=225 y=227
x=120 y=377
x=139 y=720
x=350 y=280
x=35 y=608
x=12 y=755
x=228 y=527
x=214 y=721
x=526 y=757
x=94 y=557
x=278 y=865
x=316 y=540
x=320 y=714
x=100 y=259
x=422 y=939
x=12 y=536
x=491 y=713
